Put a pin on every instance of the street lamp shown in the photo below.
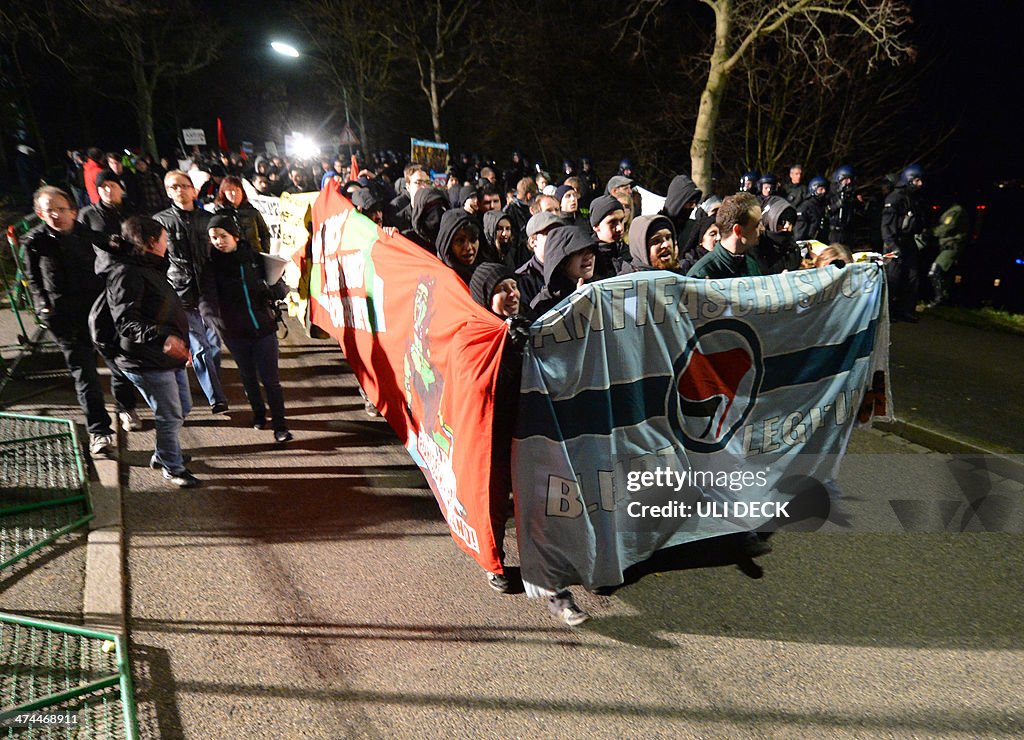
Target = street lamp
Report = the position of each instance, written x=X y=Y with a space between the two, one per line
x=285 y=49
x=288 y=50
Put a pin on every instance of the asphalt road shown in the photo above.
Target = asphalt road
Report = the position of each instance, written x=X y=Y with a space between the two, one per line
x=960 y=380
x=314 y=591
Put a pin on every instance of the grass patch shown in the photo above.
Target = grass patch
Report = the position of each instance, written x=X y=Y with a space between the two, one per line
x=985 y=318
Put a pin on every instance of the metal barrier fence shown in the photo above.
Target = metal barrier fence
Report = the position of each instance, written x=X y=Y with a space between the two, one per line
x=63 y=681
x=20 y=302
x=44 y=491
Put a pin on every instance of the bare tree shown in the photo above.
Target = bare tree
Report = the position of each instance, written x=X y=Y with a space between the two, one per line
x=162 y=39
x=439 y=36
x=811 y=29
x=353 y=53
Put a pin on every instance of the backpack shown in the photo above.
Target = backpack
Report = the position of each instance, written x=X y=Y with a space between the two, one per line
x=102 y=329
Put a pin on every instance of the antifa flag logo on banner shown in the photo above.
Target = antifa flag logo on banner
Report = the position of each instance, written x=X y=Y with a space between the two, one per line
x=718 y=376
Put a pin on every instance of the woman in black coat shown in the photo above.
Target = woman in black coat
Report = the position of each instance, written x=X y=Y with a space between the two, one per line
x=152 y=336
x=248 y=320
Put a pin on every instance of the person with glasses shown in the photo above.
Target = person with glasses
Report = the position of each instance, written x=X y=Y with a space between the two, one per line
x=60 y=266
x=189 y=253
x=399 y=211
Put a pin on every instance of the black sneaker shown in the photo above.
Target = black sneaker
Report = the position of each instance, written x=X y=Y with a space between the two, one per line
x=753 y=546
x=259 y=422
x=499 y=583
x=184 y=479
x=221 y=407
x=283 y=435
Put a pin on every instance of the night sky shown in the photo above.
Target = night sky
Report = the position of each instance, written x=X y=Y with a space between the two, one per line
x=973 y=79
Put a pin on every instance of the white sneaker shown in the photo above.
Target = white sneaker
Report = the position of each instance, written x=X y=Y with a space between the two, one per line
x=563 y=607
x=101 y=445
x=130 y=420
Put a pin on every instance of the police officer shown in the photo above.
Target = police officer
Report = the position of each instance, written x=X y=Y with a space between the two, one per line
x=842 y=206
x=902 y=222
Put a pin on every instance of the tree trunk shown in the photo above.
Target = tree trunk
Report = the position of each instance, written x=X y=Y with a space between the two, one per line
x=147 y=134
x=435 y=106
x=702 y=146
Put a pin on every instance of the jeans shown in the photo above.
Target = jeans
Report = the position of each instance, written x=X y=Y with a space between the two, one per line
x=258 y=357
x=80 y=357
x=205 y=347
x=167 y=393
x=121 y=388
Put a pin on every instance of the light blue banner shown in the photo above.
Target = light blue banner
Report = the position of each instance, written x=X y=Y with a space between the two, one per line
x=709 y=402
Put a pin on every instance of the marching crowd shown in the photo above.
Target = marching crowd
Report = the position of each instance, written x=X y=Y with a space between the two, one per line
x=157 y=274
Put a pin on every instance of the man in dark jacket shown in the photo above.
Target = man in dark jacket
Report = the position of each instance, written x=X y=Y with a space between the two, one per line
x=518 y=210
x=104 y=219
x=399 y=211
x=189 y=254
x=608 y=217
x=739 y=222
x=59 y=262
x=902 y=222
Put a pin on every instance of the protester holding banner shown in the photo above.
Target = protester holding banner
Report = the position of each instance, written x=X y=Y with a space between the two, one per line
x=570 y=256
x=231 y=199
x=652 y=243
x=739 y=222
x=249 y=323
x=428 y=205
x=458 y=243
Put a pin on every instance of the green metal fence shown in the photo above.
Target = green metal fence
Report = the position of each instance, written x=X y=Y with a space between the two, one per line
x=30 y=336
x=44 y=491
x=63 y=681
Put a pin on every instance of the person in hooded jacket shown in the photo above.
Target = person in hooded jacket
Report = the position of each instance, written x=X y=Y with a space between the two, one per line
x=652 y=242
x=530 y=275
x=570 y=256
x=232 y=200
x=458 y=243
x=777 y=251
x=499 y=244
x=494 y=287
x=680 y=203
x=705 y=236
x=428 y=206
x=153 y=332
x=248 y=321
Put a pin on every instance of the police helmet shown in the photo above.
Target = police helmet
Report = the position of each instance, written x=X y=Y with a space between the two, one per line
x=812 y=186
x=843 y=171
x=910 y=173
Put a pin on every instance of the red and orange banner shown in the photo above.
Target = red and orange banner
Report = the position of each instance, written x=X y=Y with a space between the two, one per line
x=424 y=352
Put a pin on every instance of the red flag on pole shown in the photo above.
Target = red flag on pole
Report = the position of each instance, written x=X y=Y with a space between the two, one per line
x=354 y=173
x=222 y=140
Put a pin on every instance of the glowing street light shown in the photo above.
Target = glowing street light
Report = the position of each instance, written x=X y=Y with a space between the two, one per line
x=285 y=49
